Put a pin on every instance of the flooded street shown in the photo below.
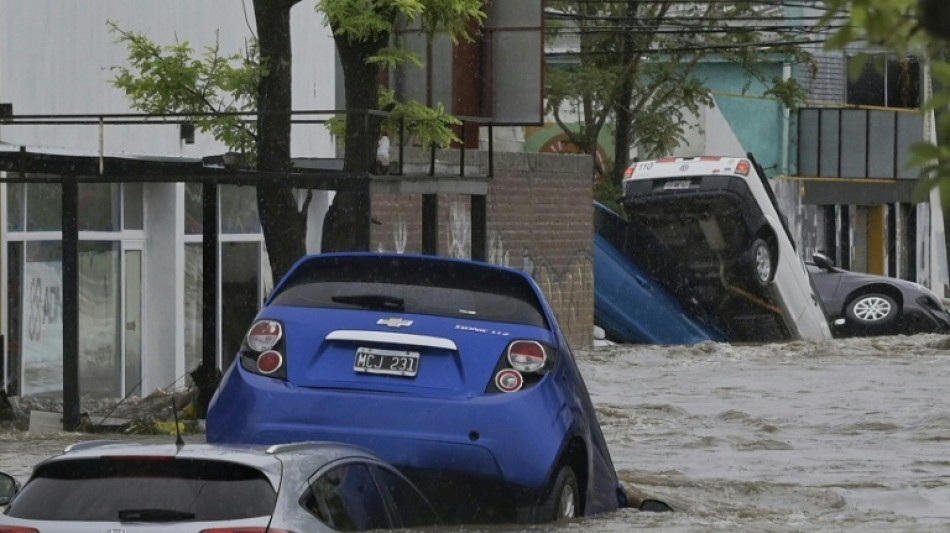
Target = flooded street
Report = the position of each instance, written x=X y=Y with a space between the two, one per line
x=847 y=435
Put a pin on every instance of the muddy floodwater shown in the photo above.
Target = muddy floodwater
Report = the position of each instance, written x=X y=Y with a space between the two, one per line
x=847 y=435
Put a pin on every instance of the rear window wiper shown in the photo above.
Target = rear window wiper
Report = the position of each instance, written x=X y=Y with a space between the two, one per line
x=154 y=515
x=372 y=301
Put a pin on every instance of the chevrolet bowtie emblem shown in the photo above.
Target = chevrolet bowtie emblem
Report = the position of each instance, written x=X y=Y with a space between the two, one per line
x=394 y=322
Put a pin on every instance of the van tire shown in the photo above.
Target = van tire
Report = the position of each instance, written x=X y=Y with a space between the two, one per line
x=763 y=263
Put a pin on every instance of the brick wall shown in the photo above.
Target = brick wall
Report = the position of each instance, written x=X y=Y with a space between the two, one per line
x=540 y=221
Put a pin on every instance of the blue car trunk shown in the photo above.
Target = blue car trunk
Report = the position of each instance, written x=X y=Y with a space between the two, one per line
x=455 y=357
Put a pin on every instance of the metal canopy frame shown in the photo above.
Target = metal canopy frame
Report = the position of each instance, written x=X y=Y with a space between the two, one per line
x=69 y=170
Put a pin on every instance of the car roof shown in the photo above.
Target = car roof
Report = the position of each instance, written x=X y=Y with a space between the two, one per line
x=416 y=270
x=347 y=258
x=688 y=166
x=265 y=458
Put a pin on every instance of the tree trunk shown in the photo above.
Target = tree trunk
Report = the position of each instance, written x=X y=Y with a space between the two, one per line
x=624 y=98
x=347 y=222
x=283 y=224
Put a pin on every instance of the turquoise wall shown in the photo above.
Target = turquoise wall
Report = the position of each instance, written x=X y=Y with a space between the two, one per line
x=756 y=120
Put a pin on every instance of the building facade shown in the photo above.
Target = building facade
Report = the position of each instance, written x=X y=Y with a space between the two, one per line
x=838 y=162
x=140 y=244
x=140 y=247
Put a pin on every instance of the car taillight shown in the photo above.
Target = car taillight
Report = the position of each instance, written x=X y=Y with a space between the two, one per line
x=264 y=335
x=263 y=349
x=522 y=365
x=509 y=380
x=526 y=356
x=270 y=362
x=627 y=173
x=743 y=167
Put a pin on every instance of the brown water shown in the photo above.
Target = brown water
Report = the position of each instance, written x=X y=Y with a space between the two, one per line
x=849 y=435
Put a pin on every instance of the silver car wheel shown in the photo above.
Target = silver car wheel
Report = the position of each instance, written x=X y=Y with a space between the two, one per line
x=763 y=263
x=872 y=308
x=567 y=509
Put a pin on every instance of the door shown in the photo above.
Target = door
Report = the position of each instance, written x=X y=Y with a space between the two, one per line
x=132 y=314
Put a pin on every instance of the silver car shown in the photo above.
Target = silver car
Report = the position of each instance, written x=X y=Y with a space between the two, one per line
x=111 y=486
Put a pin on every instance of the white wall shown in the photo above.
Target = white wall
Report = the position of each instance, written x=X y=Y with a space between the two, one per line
x=55 y=58
x=56 y=55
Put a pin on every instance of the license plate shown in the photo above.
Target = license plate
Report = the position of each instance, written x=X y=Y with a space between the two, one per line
x=389 y=362
x=678 y=184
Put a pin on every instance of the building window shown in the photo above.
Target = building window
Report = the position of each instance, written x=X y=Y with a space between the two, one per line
x=193 y=211
x=15 y=314
x=238 y=209
x=240 y=294
x=240 y=252
x=41 y=217
x=15 y=206
x=132 y=310
x=110 y=289
x=40 y=350
x=99 y=308
x=886 y=82
x=99 y=207
x=193 y=303
x=132 y=206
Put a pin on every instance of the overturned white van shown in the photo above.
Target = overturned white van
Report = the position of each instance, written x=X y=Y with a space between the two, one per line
x=709 y=229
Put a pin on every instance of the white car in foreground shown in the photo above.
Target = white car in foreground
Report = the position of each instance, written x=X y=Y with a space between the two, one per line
x=710 y=230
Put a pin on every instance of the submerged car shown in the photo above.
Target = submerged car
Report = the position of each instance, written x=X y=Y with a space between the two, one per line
x=710 y=230
x=868 y=304
x=630 y=306
x=113 y=486
x=454 y=371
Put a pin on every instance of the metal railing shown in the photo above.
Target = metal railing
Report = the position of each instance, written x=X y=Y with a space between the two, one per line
x=102 y=120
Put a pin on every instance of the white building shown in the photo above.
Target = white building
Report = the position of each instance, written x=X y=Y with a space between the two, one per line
x=140 y=244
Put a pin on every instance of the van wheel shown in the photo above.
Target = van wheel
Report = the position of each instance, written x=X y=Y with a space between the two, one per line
x=563 y=501
x=763 y=263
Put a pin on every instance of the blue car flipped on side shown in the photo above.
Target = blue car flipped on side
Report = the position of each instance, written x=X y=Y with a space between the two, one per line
x=454 y=371
x=628 y=304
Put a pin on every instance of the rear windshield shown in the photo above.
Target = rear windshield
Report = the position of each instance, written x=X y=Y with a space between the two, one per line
x=151 y=490
x=411 y=285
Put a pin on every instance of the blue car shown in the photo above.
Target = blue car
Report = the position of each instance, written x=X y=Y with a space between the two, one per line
x=628 y=304
x=454 y=371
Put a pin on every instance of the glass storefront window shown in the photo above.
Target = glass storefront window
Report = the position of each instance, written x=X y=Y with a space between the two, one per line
x=99 y=206
x=49 y=198
x=99 y=323
x=193 y=212
x=15 y=206
x=133 y=323
x=132 y=206
x=240 y=294
x=193 y=302
x=238 y=209
x=15 y=313
x=41 y=318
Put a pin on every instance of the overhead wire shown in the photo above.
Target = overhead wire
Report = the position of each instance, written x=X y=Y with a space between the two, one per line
x=796 y=29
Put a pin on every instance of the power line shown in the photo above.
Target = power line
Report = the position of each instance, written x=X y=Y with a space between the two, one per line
x=688 y=49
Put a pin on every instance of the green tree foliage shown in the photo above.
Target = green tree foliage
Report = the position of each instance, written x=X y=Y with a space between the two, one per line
x=365 y=34
x=176 y=79
x=211 y=87
x=919 y=27
x=634 y=67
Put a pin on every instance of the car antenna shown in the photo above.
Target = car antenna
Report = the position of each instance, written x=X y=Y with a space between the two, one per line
x=179 y=442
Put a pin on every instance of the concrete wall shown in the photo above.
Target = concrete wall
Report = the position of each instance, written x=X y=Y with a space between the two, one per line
x=56 y=58
x=540 y=221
